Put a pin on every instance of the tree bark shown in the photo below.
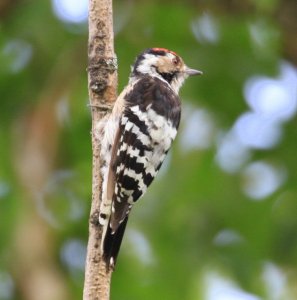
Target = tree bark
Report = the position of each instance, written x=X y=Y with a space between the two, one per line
x=102 y=84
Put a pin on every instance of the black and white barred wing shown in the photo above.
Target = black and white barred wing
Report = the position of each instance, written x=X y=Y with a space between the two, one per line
x=133 y=166
x=146 y=128
x=127 y=178
x=140 y=151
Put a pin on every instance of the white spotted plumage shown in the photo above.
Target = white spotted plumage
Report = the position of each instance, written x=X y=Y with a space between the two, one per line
x=135 y=139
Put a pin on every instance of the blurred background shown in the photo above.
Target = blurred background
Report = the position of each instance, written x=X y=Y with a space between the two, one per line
x=220 y=221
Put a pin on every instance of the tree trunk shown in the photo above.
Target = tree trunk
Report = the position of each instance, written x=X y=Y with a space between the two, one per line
x=102 y=83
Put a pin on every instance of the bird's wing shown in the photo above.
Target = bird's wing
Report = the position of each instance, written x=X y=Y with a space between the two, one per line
x=127 y=179
x=146 y=128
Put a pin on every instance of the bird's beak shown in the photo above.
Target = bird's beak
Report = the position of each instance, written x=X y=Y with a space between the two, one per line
x=192 y=72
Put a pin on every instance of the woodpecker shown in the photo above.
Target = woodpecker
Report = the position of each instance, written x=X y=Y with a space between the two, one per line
x=136 y=137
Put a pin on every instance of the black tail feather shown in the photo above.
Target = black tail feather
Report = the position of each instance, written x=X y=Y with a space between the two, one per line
x=112 y=243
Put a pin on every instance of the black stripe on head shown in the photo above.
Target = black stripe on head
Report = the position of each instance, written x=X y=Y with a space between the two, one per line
x=167 y=76
x=157 y=51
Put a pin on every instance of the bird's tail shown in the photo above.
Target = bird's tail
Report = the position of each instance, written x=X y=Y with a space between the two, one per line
x=112 y=243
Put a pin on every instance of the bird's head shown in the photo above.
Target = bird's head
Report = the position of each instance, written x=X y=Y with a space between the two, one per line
x=164 y=64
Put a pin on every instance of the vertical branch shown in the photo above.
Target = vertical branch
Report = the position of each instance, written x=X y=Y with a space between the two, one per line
x=102 y=81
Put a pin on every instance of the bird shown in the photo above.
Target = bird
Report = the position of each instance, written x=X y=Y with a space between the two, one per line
x=135 y=139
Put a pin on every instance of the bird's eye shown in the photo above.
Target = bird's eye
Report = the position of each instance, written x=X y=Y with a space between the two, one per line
x=175 y=61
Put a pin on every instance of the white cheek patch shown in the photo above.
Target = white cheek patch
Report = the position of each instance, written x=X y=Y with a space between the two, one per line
x=146 y=64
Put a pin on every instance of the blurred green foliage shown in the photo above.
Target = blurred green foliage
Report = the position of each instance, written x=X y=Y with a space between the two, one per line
x=199 y=227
